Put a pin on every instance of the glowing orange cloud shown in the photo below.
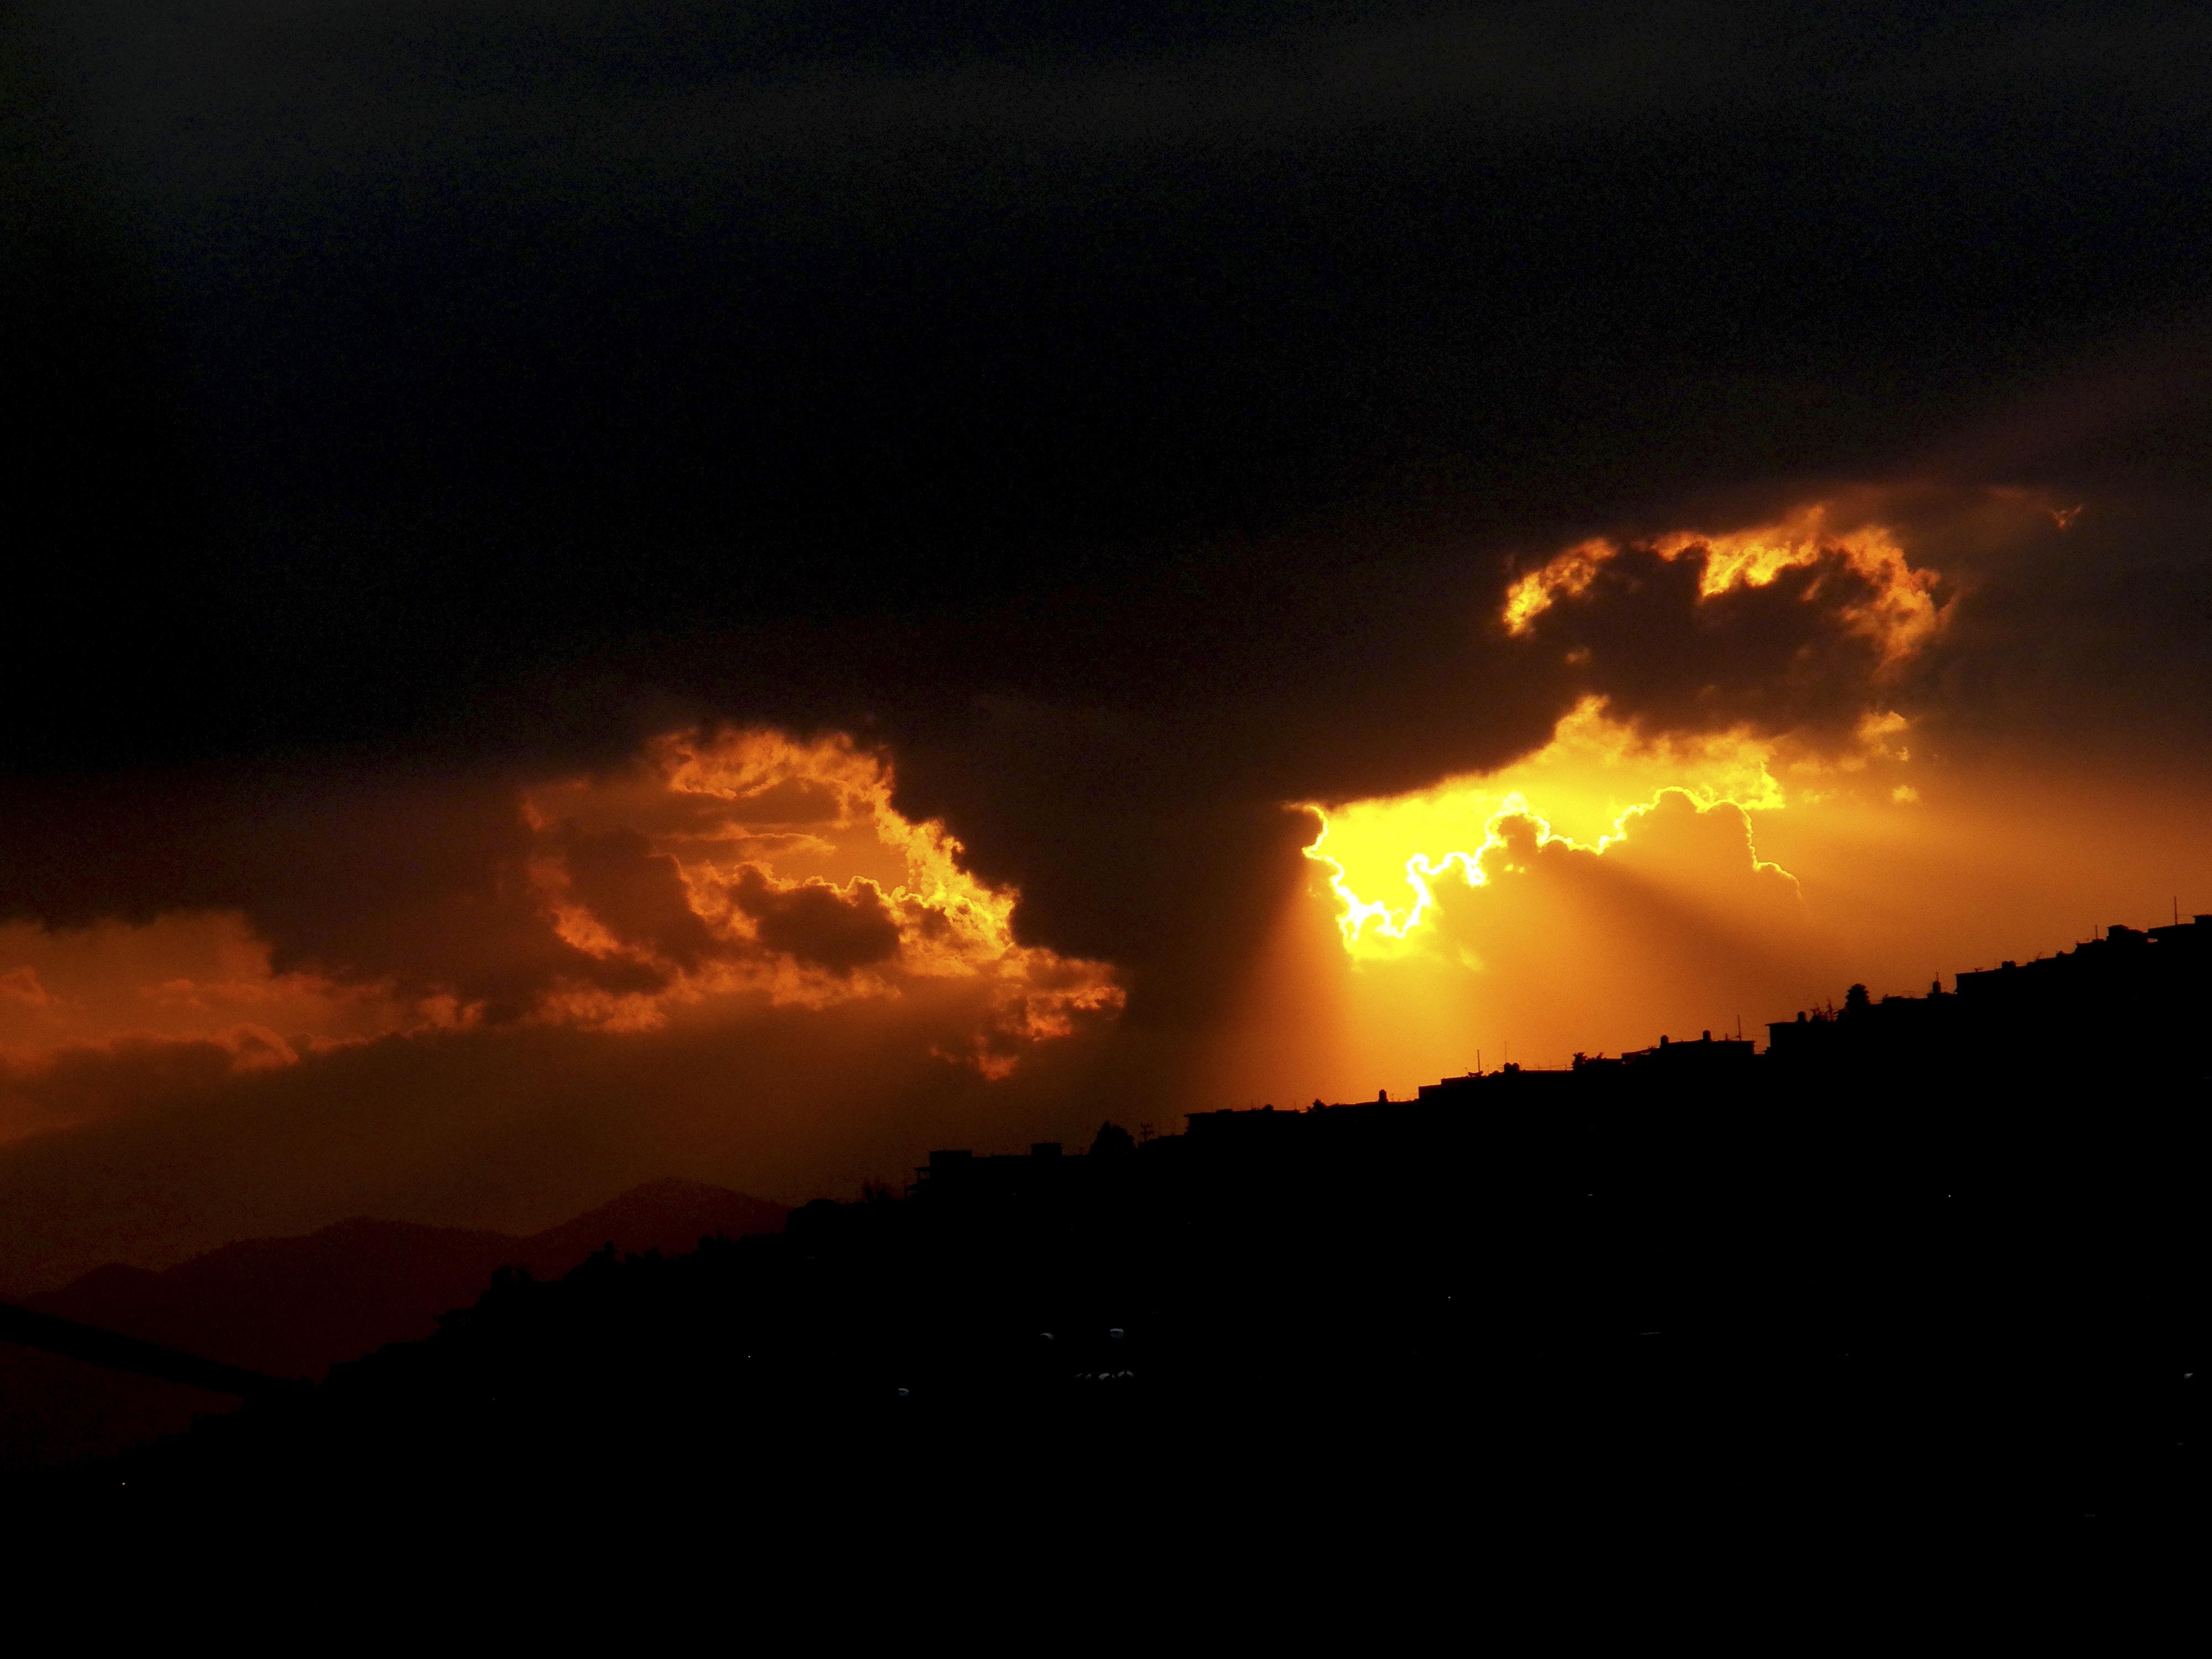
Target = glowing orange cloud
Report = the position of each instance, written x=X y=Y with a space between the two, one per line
x=199 y=976
x=186 y=997
x=750 y=862
x=719 y=875
x=1899 y=614
x=1590 y=789
x=1738 y=818
x=1569 y=572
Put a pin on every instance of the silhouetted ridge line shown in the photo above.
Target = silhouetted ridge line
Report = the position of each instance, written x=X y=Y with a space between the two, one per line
x=1694 y=1285
x=50 y=1333
x=295 y=1306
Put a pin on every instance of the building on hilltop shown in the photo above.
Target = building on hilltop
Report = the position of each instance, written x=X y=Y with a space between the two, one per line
x=2021 y=1022
x=2004 y=1040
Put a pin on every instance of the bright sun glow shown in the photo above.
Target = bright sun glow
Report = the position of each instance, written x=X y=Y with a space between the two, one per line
x=1586 y=787
x=1599 y=782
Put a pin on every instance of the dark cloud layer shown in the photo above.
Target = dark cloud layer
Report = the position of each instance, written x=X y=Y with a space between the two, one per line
x=495 y=342
x=1131 y=419
x=818 y=925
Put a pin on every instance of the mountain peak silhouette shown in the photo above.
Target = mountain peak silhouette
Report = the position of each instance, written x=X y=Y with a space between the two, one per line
x=670 y=1215
x=296 y=1306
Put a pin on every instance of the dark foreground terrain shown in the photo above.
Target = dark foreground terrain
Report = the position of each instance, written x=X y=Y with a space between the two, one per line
x=1680 y=1337
x=1897 y=1278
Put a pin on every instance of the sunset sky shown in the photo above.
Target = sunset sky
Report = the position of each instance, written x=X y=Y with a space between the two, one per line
x=744 y=591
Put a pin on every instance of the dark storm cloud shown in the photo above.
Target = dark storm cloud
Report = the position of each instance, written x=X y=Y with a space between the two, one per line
x=503 y=339
x=816 y=923
x=389 y=91
x=637 y=894
x=1780 y=658
x=420 y=881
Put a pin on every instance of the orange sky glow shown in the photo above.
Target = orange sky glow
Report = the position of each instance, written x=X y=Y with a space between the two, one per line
x=1620 y=882
x=733 y=954
x=861 y=598
x=721 y=872
x=1624 y=878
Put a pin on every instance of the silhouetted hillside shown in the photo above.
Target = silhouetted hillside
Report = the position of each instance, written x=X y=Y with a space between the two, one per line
x=669 y=1215
x=1925 y=1286
x=56 y=1410
x=292 y=1307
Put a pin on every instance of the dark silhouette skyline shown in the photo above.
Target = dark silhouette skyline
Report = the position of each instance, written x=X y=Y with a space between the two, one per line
x=1895 y=1261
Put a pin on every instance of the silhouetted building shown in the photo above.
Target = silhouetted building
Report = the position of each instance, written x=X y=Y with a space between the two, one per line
x=2022 y=1026
x=1708 y=1058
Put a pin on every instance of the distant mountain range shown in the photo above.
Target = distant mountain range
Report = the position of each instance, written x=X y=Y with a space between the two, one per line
x=293 y=1307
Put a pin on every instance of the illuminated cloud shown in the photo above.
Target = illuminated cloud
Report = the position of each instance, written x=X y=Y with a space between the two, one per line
x=1566 y=574
x=718 y=875
x=187 y=977
x=1756 y=668
x=96 y=1021
x=1512 y=937
x=747 y=862
x=1600 y=788
x=1679 y=894
x=1751 y=717
x=1859 y=573
x=731 y=956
